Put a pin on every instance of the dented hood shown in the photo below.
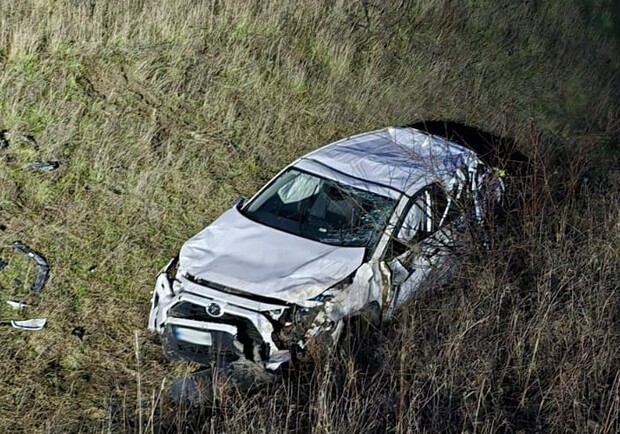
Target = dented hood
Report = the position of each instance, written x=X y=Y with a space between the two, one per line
x=239 y=253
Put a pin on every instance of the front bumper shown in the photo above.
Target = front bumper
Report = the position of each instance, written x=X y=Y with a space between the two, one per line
x=204 y=325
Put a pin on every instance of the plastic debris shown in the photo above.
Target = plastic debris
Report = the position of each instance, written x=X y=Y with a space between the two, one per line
x=44 y=166
x=79 y=332
x=27 y=324
x=42 y=265
x=4 y=142
x=277 y=358
x=16 y=305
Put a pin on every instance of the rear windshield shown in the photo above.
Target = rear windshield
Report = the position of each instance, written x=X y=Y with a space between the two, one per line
x=322 y=210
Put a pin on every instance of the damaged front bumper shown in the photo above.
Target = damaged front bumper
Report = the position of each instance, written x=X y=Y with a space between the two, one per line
x=205 y=325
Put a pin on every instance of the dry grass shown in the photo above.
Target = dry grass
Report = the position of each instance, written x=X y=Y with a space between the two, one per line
x=162 y=112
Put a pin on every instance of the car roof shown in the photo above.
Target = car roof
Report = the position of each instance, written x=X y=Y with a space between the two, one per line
x=396 y=158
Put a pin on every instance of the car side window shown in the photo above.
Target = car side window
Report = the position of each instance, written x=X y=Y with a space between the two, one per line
x=417 y=220
x=430 y=209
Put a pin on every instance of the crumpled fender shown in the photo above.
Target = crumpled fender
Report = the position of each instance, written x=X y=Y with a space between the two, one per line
x=369 y=285
x=162 y=294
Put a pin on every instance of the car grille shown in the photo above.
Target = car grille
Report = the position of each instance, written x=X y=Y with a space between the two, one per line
x=247 y=333
x=221 y=352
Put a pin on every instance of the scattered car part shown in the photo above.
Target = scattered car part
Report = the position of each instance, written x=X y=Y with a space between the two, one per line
x=16 y=305
x=362 y=224
x=28 y=324
x=42 y=265
x=4 y=142
x=44 y=166
x=79 y=332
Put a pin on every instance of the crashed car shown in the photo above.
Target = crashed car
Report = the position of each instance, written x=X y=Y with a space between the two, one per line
x=357 y=227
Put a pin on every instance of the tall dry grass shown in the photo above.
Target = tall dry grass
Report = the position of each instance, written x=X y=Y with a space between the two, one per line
x=161 y=112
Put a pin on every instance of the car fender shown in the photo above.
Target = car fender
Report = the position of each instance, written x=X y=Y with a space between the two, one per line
x=370 y=285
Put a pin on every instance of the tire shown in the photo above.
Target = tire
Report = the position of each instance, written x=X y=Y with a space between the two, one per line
x=201 y=388
x=194 y=390
x=360 y=335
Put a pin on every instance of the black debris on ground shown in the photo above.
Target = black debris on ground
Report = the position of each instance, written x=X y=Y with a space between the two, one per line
x=4 y=142
x=79 y=332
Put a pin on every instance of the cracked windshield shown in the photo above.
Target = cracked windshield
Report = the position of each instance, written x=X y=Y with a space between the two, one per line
x=322 y=210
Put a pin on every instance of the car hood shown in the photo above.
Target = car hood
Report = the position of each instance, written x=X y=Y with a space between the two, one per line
x=239 y=253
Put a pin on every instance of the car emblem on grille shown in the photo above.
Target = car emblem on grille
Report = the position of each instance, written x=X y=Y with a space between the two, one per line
x=215 y=310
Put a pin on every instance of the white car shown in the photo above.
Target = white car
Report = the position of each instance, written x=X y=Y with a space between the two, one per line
x=357 y=226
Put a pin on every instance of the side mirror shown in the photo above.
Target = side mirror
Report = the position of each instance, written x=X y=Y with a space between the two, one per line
x=238 y=202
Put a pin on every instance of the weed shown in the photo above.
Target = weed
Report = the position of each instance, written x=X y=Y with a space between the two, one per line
x=162 y=112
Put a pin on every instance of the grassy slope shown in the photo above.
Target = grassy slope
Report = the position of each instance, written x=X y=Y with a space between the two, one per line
x=162 y=112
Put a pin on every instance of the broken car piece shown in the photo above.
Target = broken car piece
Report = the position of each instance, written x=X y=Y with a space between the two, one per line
x=42 y=266
x=15 y=305
x=44 y=166
x=4 y=142
x=353 y=229
x=79 y=332
x=28 y=324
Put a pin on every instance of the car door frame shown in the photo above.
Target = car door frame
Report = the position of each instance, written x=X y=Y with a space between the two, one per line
x=399 y=216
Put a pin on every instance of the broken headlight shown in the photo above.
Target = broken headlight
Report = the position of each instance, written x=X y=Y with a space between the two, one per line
x=301 y=320
x=295 y=323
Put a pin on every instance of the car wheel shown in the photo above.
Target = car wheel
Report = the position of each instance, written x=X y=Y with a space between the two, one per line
x=360 y=334
x=204 y=386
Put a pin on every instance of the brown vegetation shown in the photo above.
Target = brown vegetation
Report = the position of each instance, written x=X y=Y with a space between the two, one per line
x=161 y=112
